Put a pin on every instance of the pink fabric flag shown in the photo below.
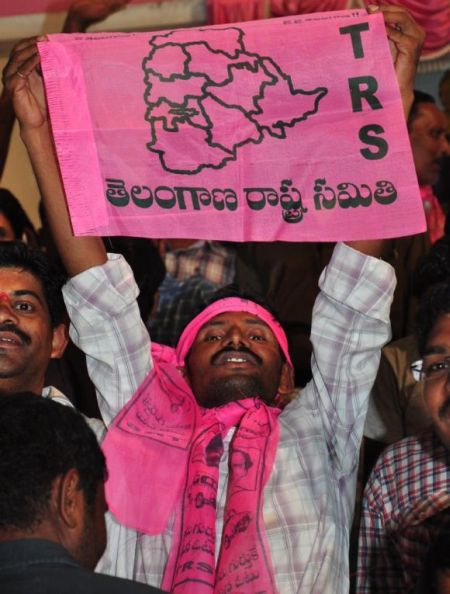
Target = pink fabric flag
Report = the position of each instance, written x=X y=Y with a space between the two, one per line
x=36 y=6
x=285 y=129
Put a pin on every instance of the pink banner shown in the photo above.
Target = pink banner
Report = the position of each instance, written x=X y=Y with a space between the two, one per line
x=285 y=129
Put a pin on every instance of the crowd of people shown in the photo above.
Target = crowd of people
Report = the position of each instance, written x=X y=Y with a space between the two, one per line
x=231 y=442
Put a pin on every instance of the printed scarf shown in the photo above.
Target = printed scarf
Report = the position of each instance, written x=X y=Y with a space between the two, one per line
x=163 y=452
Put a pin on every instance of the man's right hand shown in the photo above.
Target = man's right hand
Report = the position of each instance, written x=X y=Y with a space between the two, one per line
x=23 y=82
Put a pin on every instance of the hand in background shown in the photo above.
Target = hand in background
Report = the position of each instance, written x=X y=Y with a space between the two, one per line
x=84 y=13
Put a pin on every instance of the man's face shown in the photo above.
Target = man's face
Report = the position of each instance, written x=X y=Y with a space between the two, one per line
x=27 y=339
x=234 y=356
x=437 y=390
x=428 y=142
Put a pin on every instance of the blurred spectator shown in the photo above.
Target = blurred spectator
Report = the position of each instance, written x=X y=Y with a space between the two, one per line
x=195 y=269
x=14 y=222
x=427 y=127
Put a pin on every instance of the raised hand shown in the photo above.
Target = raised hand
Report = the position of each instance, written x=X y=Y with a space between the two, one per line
x=84 y=13
x=23 y=82
x=406 y=39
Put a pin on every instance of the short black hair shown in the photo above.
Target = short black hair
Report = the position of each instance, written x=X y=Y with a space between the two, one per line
x=15 y=254
x=234 y=290
x=14 y=212
x=40 y=440
x=419 y=97
x=434 y=303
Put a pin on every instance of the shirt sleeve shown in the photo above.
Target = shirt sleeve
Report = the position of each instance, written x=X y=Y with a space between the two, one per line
x=106 y=325
x=350 y=325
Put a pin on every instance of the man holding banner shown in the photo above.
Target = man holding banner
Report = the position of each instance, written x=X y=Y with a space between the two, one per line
x=214 y=488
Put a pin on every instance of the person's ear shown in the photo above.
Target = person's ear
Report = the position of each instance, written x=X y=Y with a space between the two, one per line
x=185 y=374
x=286 y=386
x=59 y=341
x=70 y=500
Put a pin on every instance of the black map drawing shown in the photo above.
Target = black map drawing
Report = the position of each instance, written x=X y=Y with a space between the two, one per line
x=215 y=94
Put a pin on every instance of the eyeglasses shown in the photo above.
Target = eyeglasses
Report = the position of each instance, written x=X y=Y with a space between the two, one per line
x=433 y=371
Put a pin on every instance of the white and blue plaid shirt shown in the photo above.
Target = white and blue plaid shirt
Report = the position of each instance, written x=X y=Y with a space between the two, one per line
x=309 y=498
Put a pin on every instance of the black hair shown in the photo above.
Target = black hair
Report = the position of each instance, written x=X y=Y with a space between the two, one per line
x=419 y=97
x=40 y=440
x=434 y=303
x=15 y=254
x=13 y=211
x=234 y=290
x=433 y=268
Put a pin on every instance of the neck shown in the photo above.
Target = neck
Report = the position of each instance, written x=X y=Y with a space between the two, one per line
x=9 y=386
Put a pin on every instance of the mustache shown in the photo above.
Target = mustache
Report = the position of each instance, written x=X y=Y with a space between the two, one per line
x=8 y=327
x=241 y=349
x=444 y=410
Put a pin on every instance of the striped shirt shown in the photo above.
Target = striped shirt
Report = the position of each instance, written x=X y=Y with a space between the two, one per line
x=309 y=498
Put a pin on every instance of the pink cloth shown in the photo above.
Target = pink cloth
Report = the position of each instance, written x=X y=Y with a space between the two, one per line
x=434 y=17
x=284 y=129
x=191 y=567
x=20 y=7
x=434 y=214
x=234 y=11
x=163 y=453
x=286 y=7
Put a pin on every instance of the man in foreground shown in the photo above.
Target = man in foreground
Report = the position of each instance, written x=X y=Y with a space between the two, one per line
x=52 y=504
x=278 y=520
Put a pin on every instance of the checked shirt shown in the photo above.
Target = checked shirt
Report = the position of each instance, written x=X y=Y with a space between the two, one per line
x=401 y=515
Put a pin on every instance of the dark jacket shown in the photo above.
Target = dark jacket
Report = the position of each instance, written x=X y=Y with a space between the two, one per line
x=37 y=566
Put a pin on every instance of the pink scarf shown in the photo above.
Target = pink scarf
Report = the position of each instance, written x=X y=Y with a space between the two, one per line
x=163 y=454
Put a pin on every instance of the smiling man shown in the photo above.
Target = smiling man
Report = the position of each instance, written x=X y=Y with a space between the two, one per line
x=410 y=483
x=213 y=486
x=31 y=318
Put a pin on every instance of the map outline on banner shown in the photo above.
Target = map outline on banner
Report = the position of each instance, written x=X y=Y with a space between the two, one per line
x=182 y=115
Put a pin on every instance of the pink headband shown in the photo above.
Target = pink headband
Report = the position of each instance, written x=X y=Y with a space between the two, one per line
x=222 y=306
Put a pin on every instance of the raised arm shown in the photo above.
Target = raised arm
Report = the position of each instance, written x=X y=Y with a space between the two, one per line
x=406 y=39
x=102 y=306
x=25 y=87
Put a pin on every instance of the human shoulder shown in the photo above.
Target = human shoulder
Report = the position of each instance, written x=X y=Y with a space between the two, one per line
x=403 y=469
x=115 y=585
